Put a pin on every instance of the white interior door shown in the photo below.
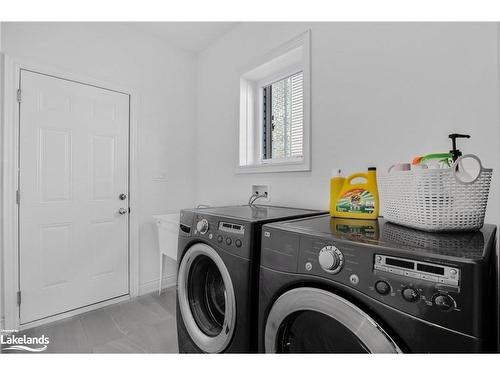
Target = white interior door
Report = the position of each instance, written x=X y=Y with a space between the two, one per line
x=74 y=155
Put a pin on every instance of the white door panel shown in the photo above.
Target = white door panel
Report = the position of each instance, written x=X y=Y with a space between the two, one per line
x=73 y=167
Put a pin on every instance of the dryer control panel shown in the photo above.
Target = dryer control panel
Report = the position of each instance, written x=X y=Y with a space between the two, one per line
x=436 y=290
x=431 y=290
x=444 y=279
x=417 y=270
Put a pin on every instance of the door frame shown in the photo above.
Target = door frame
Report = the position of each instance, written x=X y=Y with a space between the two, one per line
x=10 y=183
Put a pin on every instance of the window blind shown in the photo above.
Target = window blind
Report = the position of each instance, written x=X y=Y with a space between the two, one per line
x=297 y=114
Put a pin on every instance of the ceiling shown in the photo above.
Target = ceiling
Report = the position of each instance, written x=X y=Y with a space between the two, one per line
x=193 y=36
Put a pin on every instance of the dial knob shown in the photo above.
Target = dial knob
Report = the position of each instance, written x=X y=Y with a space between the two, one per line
x=202 y=226
x=410 y=294
x=443 y=302
x=331 y=259
x=382 y=287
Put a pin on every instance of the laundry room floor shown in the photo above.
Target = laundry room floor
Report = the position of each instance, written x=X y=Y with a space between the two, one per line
x=145 y=324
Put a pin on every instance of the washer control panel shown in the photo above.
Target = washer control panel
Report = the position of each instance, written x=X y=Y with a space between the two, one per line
x=228 y=235
x=417 y=270
x=231 y=227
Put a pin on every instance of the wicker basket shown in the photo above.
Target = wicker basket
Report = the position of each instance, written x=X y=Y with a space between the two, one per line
x=436 y=200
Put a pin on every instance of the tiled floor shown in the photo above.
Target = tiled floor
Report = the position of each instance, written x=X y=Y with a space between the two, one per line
x=145 y=324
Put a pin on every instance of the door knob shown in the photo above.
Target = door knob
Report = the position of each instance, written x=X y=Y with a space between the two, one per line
x=122 y=196
x=122 y=211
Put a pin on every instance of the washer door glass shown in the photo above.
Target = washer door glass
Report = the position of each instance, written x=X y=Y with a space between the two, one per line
x=206 y=298
x=207 y=295
x=310 y=320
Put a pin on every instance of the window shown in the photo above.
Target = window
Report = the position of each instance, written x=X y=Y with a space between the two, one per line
x=283 y=104
x=274 y=111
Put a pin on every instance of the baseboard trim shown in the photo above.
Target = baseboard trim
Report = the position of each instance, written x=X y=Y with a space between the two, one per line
x=145 y=288
x=74 y=312
x=152 y=286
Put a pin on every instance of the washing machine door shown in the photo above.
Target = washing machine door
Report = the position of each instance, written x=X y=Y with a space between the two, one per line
x=206 y=298
x=310 y=320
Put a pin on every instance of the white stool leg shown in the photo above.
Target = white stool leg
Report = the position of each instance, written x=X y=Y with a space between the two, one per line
x=161 y=272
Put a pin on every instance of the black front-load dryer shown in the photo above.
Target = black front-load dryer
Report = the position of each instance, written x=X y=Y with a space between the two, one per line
x=217 y=280
x=357 y=286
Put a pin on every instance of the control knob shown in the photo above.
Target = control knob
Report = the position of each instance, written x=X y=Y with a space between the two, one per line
x=443 y=302
x=202 y=226
x=382 y=287
x=331 y=259
x=410 y=294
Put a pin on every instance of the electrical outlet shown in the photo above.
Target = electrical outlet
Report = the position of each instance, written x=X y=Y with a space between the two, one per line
x=261 y=189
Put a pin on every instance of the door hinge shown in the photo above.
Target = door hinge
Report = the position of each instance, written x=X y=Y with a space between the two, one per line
x=19 y=298
x=19 y=96
x=18 y=197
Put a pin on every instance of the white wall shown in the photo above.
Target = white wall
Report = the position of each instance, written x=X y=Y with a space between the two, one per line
x=165 y=77
x=1 y=182
x=381 y=93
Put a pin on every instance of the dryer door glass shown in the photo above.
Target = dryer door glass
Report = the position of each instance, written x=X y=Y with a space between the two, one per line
x=311 y=320
x=309 y=331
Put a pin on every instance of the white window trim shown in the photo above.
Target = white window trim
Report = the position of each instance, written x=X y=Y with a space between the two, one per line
x=279 y=76
x=249 y=118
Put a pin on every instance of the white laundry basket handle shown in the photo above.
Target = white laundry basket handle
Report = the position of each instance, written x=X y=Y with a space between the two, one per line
x=455 y=167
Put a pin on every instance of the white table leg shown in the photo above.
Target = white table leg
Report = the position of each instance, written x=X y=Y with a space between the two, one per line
x=161 y=273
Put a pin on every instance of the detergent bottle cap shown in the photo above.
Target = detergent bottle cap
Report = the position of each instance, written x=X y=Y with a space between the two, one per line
x=336 y=172
x=372 y=168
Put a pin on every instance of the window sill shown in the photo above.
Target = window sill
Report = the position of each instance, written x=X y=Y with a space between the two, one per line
x=275 y=167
